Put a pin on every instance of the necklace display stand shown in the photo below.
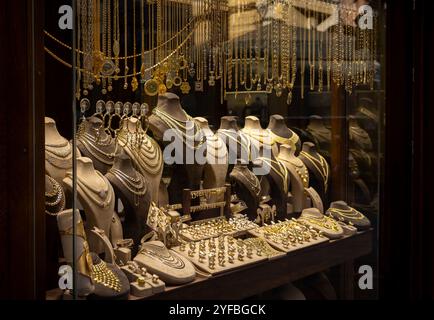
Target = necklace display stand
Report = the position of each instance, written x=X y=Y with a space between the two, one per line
x=133 y=190
x=58 y=152
x=144 y=152
x=320 y=132
x=170 y=266
x=299 y=177
x=326 y=225
x=318 y=168
x=65 y=223
x=96 y=196
x=170 y=115
x=247 y=187
x=216 y=169
x=259 y=137
x=94 y=143
x=279 y=180
x=238 y=144
x=358 y=136
x=341 y=211
x=281 y=134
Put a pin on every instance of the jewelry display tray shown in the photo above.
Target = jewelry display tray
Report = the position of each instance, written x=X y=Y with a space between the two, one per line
x=238 y=233
x=228 y=266
x=279 y=246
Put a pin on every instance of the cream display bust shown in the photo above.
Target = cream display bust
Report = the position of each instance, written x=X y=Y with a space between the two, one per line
x=96 y=195
x=216 y=169
x=58 y=152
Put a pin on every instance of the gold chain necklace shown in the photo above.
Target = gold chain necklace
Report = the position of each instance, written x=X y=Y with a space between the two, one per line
x=320 y=165
x=240 y=138
x=292 y=141
x=143 y=150
x=55 y=199
x=250 y=178
x=300 y=169
x=137 y=186
x=340 y=214
x=163 y=255
x=323 y=222
x=102 y=198
x=282 y=171
x=92 y=145
x=180 y=128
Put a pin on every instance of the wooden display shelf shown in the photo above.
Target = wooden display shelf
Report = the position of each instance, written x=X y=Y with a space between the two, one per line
x=255 y=279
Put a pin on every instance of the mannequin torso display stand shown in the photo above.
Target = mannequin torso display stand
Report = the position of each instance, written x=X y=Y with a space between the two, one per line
x=58 y=152
x=170 y=115
x=318 y=167
x=279 y=180
x=145 y=153
x=320 y=132
x=358 y=136
x=94 y=143
x=238 y=143
x=247 y=187
x=65 y=223
x=133 y=190
x=299 y=177
x=281 y=134
x=259 y=138
x=341 y=211
x=97 y=197
x=327 y=226
x=216 y=169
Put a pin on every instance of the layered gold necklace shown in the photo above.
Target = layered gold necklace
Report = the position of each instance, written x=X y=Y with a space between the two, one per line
x=142 y=149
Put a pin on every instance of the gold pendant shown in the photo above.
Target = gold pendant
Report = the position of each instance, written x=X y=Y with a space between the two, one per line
x=185 y=87
x=151 y=87
x=108 y=68
x=169 y=84
x=162 y=89
x=98 y=61
x=134 y=84
x=177 y=81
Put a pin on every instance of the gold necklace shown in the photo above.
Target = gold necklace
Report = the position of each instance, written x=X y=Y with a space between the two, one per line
x=102 y=198
x=300 y=169
x=180 y=128
x=125 y=43
x=101 y=274
x=55 y=199
x=282 y=171
x=345 y=215
x=134 y=82
x=93 y=146
x=240 y=139
x=262 y=136
x=143 y=150
x=292 y=141
x=320 y=165
x=163 y=255
x=250 y=178
x=61 y=157
x=323 y=222
x=135 y=185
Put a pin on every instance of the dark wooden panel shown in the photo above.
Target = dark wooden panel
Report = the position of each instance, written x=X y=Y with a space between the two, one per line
x=396 y=205
x=24 y=156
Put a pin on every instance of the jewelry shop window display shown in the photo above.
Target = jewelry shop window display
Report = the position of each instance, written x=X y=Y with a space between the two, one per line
x=211 y=138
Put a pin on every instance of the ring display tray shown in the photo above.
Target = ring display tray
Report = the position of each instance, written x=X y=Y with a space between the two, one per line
x=223 y=246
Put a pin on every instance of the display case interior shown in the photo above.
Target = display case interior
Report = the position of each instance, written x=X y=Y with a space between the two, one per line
x=214 y=141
